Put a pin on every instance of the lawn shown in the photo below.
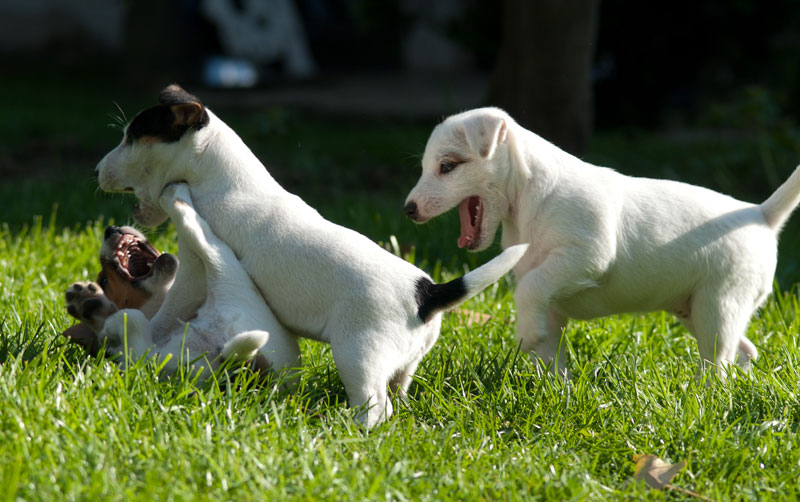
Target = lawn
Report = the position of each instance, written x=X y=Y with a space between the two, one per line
x=479 y=424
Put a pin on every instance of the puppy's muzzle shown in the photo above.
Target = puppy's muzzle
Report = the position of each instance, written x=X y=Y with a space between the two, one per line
x=111 y=230
x=411 y=210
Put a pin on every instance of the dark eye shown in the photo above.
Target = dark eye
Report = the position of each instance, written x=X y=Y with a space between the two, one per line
x=447 y=166
x=102 y=281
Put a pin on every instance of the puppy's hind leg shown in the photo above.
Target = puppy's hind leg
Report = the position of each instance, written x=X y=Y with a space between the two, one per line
x=747 y=353
x=365 y=383
x=401 y=381
x=129 y=325
x=244 y=345
x=719 y=324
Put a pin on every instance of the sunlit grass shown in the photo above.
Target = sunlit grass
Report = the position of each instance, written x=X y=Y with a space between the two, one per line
x=479 y=424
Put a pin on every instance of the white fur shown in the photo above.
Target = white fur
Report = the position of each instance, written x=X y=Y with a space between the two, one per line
x=603 y=243
x=231 y=323
x=321 y=280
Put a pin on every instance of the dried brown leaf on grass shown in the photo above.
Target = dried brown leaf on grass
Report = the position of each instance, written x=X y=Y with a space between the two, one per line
x=655 y=472
x=658 y=474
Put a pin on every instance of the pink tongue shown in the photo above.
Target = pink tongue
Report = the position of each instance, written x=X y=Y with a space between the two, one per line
x=467 y=229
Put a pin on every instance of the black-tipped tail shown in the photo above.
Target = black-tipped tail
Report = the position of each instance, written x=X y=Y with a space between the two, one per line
x=432 y=297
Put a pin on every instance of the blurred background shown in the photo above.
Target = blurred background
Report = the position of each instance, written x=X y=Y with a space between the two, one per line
x=337 y=97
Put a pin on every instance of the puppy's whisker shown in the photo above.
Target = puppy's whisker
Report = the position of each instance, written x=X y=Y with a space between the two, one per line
x=122 y=118
x=412 y=156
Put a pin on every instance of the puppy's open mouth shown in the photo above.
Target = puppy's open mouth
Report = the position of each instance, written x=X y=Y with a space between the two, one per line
x=471 y=213
x=135 y=257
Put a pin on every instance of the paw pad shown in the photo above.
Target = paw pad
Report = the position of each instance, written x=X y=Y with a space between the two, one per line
x=87 y=302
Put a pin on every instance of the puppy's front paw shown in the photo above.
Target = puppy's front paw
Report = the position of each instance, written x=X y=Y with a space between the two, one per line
x=164 y=269
x=174 y=192
x=87 y=302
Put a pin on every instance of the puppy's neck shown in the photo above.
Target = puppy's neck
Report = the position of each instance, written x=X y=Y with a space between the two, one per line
x=534 y=166
x=225 y=163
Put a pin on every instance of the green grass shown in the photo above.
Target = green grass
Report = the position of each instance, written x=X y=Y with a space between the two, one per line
x=480 y=424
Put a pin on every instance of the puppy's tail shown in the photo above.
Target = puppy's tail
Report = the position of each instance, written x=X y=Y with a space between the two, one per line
x=779 y=206
x=244 y=346
x=433 y=298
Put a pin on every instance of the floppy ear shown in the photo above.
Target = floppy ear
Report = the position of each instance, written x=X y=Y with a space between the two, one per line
x=187 y=108
x=190 y=114
x=484 y=133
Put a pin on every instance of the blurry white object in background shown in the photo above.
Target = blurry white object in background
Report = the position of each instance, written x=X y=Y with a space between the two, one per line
x=263 y=31
x=229 y=72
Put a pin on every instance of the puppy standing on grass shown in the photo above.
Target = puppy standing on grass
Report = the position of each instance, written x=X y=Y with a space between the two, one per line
x=379 y=313
x=600 y=242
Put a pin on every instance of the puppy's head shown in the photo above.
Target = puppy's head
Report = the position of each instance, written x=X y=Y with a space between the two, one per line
x=464 y=165
x=156 y=147
x=133 y=274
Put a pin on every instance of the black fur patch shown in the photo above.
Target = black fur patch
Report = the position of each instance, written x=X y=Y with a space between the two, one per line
x=89 y=307
x=156 y=122
x=432 y=297
x=161 y=123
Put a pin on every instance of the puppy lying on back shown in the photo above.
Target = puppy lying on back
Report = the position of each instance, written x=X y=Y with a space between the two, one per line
x=231 y=322
x=600 y=242
x=133 y=275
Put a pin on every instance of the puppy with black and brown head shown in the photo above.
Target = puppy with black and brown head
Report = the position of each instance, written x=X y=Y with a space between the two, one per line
x=230 y=323
x=380 y=313
x=133 y=275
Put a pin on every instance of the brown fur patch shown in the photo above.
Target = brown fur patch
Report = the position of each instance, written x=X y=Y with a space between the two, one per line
x=148 y=140
x=190 y=114
x=120 y=290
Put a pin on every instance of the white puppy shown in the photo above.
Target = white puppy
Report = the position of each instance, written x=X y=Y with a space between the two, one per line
x=380 y=314
x=233 y=321
x=600 y=242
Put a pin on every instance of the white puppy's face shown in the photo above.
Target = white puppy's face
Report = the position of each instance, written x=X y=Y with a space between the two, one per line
x=462 y=166
x=148 y=158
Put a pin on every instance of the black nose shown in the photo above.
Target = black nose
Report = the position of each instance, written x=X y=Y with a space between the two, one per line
x=411 y=210
x=111 y=230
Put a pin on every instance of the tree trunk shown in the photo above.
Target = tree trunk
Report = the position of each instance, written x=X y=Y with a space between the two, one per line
x=543 y=72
